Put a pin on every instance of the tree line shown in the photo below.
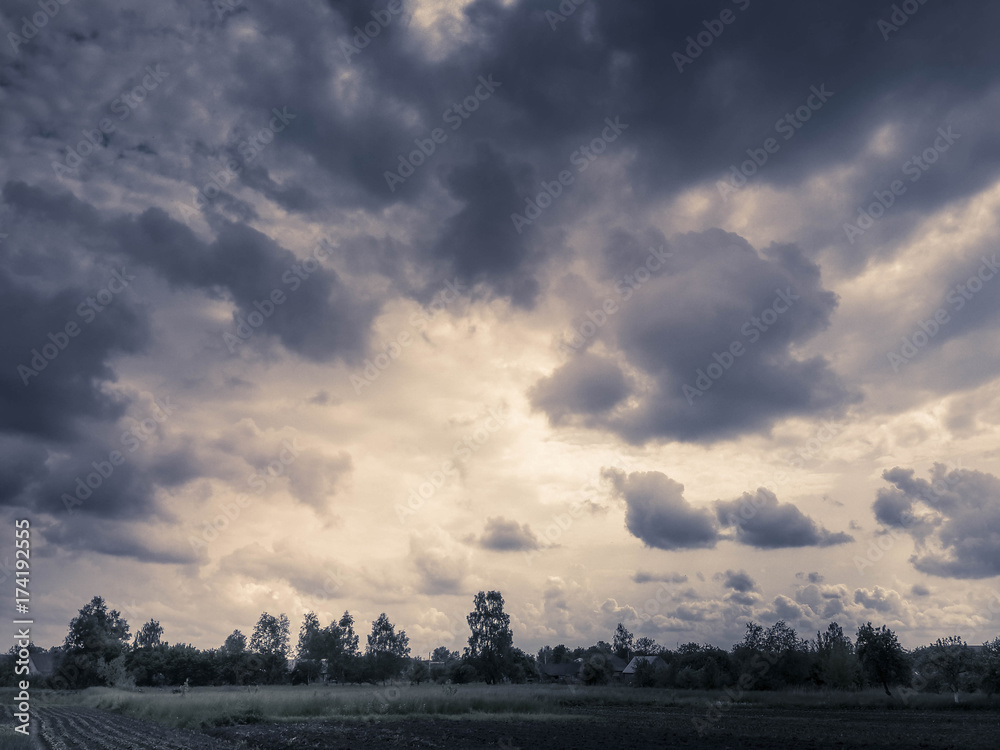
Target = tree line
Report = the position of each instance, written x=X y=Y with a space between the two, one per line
x=99 y=650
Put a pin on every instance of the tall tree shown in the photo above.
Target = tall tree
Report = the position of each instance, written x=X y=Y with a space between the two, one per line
x=953 y=661
x=443 y=654
x=270 y=636
x=269 y=642
x=148 y=635
x=491 y=640
x=836 y=664
x=236 y=643
x=96 y=634
x=646 y=647
x=387 y=650
x=348 y=636
x=623 y=642
x=310 y=642
x=882 y=658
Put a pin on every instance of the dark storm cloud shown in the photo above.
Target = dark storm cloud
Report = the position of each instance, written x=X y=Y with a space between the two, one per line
x=58 y=352
x=607 y=57
x=716 y=334
x=116 y=539
x=503 y=535
x=591 y=387
x=761 y=521
x=59 y=407
x=657 y=513
x=953 y=518
x=321 y=317
x=477 y=241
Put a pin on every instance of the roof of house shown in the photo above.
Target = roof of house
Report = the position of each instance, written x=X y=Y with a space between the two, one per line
x=41 y=664
x=656 y=661
x=617 y=662
x=564 y=669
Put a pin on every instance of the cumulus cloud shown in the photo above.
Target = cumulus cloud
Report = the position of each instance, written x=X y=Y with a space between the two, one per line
x=953 y=518
x=738 y=581
x=657 y=513
x=589 y=386
x=718 y=292
x=759 y=520
x=884 y=601
x=503 y=535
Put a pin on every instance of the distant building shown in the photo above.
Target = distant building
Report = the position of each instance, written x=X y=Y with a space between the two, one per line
x=628 y=674
x=567 y=672
x=41 y=664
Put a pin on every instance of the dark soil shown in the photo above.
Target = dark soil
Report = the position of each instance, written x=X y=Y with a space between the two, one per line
x=736 y=727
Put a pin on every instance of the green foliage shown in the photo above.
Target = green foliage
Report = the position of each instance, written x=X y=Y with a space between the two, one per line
x=149 y=635
x=491 y=642
x=419 y=672
x=646 y=647
x=989 y=668
x=836 y=665
x=883 y=660
x=95 y=634
x=115 y=674
x=270 y=636
x=623 y=643
x=387 y=650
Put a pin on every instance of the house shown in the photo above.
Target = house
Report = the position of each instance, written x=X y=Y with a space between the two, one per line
x=41 y=664
x=618 y=665
x=628 y=674
x=567 y=672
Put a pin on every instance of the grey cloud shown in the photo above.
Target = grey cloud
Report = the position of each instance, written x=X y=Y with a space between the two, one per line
x=588 y=385
x=503 y=535
x=759 y=520
x=739 y=581
x=954 y=519
x=658 y=514
x=672 y=328
x=322 y=318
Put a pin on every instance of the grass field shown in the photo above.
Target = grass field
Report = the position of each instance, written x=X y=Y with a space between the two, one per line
x=208 y=706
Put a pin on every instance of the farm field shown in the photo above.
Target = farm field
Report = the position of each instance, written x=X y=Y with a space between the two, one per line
x=478 y=716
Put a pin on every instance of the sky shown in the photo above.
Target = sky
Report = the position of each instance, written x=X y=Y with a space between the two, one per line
x=678 y=314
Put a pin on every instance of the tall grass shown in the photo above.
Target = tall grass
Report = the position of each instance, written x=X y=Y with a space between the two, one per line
x=209 y=706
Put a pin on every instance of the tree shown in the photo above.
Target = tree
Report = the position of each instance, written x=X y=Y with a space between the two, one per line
x=236 y=643
x=232 y=661
x=491 y=640
x=387 y=649
x=346 y=661
x=443 y=654
x=310 y=643
x=348 y=636
x=836 y=664
x=419 y=672
x=96 y=629
x=882 y=658
x=148 y=635
x=989 y=679
x=597 y=670
x=269 y=642
x=95 y=634
x=646 y=647
x=952 y=660
x=623 y=643
x=270 y=636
